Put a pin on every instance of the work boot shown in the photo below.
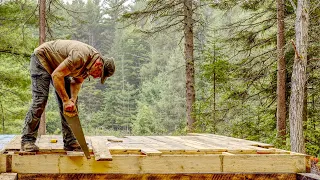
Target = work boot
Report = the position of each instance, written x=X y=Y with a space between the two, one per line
x=75 y=146
x=29 y=147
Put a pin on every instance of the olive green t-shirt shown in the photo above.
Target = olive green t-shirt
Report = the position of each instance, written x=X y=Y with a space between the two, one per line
x=77 y=56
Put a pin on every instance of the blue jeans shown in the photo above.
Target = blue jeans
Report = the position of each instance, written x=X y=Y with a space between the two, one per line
x=41 y=80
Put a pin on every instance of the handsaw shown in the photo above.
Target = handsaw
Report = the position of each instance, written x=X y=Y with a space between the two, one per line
x=75 y=125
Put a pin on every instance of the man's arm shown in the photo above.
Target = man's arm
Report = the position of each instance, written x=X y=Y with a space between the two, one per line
x=75 y=88
x=58 y=82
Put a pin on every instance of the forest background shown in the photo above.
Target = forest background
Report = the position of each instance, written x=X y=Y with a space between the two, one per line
x=235 y=61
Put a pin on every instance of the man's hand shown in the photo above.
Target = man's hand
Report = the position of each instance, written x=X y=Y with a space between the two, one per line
x=69 y=108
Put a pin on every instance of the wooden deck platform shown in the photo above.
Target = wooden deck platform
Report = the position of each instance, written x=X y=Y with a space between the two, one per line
x=204 y=155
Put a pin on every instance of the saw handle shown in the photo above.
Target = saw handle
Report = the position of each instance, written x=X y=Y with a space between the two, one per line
x=69 y=108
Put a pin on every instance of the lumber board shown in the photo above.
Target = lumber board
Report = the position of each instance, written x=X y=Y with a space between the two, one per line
x=149 y=142
x=307 y=176
x=201 y=147
x=133 y=164
x=150 y=152
x=4 y=139
x=2 y=163
x=75 y=153
x=235 y=140
x=173 y=146
x=45 y=144
x=100 y=149
x=125 y=148
x=215 y=142
x=232 y=146
x=8 y=176
x=138 y=164
x=281 y=163
x=114 y=139
x=14 y=144
x=184 y=176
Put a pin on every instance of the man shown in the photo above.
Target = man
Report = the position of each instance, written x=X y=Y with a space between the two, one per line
x=65 y=63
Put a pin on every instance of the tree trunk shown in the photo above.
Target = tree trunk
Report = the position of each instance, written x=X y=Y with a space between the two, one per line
x=214 y=88
x=281 y=77
x=299 y=78
x=42 y=21
x=42 y=39
x=2 y=118
x=188 y=35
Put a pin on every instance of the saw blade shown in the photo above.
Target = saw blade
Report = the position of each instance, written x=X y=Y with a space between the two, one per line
x=75 y=125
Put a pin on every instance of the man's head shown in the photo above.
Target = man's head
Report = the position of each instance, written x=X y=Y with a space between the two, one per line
x=108 y=69
x=103 y=68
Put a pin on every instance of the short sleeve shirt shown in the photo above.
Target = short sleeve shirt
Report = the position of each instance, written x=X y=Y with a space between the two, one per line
x=77 y=56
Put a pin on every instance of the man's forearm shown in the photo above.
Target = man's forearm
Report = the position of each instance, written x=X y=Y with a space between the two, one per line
x=58 y=83
x=75 y=88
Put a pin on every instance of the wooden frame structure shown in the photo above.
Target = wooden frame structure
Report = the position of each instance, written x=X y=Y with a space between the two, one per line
x=169 y=157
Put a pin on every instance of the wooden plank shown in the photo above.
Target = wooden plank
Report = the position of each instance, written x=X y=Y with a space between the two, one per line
x=184 y=176
x=125 y=148
x=232 y=146
x=25 y=153
x=137 y=164
x=158 y=145
x=14 y=144
x=100 y=149
x=8 y=176
x=237 y=140
x=134 y=147
x=114 y=139
x=280 y=151
x=201 y=147
x=173 y=146
x=45 y=144
x=8 y=163
x=151 y=152
x=2 y=163
x=265 y=163
x=218 y=143
x=307 y=176
x=125 y=164
x=144 y=139
x=75 y=153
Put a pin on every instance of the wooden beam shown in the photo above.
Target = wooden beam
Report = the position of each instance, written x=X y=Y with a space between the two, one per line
x=284 y=163
x=100 y=149
x=114 y=139
x=8 y=176
x=125 y=164
x=2 y=163
x=183 y=176
x=75 y=153
x=14 y=144
x=150 y=152
x=8 y=163
x=307 y=176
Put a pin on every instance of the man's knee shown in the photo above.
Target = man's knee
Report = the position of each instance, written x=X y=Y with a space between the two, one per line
x=38 y=105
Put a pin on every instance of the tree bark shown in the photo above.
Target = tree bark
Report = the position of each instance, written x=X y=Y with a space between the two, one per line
x=281 y=76
x=299 y=78
x=42 y=21
x=2 y=118
x=42 y=39
x=188 y=35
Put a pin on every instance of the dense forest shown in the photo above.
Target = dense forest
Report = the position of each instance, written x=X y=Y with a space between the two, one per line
x=246 y=69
